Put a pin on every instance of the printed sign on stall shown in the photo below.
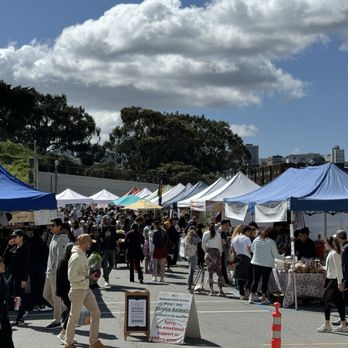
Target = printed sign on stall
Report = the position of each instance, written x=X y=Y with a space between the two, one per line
x=174 y=319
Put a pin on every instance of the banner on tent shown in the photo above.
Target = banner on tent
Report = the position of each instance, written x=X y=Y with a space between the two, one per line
x=271 y=212
x=236 y=211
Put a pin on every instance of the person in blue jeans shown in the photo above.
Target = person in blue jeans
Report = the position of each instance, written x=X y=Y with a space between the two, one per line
x=191 y=242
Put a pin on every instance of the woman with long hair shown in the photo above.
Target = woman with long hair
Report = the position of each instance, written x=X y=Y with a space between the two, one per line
x=191 y=242
x=264 y=251
x=212 y=246
x=160 y=241
x=333 y=287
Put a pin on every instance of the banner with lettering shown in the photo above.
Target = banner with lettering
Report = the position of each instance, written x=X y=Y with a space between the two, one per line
x=174 y=315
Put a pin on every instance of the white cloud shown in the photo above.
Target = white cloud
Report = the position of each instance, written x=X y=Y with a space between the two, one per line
x=161 y=55
x=244 y=130
x=106 y=121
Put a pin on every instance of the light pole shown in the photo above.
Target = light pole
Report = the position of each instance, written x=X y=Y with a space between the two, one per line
x=56 y=162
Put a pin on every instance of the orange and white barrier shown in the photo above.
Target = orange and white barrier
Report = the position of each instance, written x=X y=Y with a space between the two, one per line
x=276 y=327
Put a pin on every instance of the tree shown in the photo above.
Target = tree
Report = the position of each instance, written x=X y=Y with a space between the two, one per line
x=26 y=115
x=147 y=139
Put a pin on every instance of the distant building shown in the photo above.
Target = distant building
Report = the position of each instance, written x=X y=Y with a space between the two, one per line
x=273 y=160
x=306 y=158
x=254 y=160
x=337 y=155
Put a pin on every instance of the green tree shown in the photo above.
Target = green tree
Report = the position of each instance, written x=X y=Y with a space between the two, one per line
x=147 y=139
x=26 y=115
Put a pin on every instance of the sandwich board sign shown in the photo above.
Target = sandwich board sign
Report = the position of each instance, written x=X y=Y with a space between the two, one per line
x=137 y=313
x=175 y=318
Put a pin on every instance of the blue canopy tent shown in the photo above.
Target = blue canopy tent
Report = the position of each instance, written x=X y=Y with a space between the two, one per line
x=15 y=195
x=126 y=200
x=318 y=188
x=321 y=188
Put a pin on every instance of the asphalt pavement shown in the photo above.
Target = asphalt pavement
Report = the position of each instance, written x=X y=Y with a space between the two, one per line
x=224 y=321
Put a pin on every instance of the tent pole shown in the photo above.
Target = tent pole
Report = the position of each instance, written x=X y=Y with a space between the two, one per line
x=325 y=225
x=292 y=238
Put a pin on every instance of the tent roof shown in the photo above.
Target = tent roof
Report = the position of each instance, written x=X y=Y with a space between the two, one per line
x=16 y=195
x=317 y=188
x=71 y=197
x=240 y=184
x=144 y=193
x=214 y=186
x=143 y=204
x=126 y=200
x=188 y=192
x=167 y=196
x=165 y=188
x=103 y=197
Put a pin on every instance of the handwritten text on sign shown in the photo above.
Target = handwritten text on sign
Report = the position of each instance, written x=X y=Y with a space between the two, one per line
x=171 y=317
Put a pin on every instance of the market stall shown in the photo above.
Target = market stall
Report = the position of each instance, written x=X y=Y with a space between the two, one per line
x=322 y=188
x=310 y=277
x=69 y=196
x=103 y=197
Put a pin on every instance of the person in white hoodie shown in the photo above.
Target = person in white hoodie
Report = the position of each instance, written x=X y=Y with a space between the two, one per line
x=80 y=294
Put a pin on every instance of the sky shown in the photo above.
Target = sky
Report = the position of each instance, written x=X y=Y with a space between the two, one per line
x=277 y=71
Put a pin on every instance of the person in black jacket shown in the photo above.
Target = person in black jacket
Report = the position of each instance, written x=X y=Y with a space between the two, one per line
x=5 y=326
x=134 y=245
x=108 y=248
x=63 y=288
x=17 y=258
x=38 y=251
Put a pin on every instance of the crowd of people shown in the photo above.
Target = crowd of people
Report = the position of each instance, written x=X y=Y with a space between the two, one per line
x=51 y=268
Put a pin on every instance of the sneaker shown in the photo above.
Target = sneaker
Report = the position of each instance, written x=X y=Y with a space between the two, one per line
x=325 y=328
x=107 y=284
x=97 y=344
x=251 y=299
x=53 y=325
x=154 y=279
x=336 y=322
x=45 y=308
x=141 y=281
x=36 y=308
x=265 y=301
x=19 y=322
x=341 y=328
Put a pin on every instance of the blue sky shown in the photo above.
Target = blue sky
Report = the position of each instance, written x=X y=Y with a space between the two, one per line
x=290 y=97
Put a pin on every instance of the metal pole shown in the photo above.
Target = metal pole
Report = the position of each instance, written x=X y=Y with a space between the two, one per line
x=292 y=238
x=36 y=167
x=56 y=176
x=325 y=225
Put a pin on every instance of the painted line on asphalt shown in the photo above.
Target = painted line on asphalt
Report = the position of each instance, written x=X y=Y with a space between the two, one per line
x=153 y=302
x=318 y=344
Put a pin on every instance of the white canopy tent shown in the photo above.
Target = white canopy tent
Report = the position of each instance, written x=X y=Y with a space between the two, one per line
x=71 y=197
x=145 y=192
x=103 y=197
x=214 y=186
x=239 y=185
x=167 y=196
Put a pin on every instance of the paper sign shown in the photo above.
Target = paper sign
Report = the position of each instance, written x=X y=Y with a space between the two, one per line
x=174 y=319
x=137 y=313
x=236 y=211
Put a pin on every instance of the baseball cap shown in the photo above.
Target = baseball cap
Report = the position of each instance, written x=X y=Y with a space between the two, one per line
x=18 y=232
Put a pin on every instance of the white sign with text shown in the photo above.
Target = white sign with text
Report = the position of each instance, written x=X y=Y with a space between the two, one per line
x=175 y=318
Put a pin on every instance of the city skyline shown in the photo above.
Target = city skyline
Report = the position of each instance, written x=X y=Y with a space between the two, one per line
x=276 y=71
